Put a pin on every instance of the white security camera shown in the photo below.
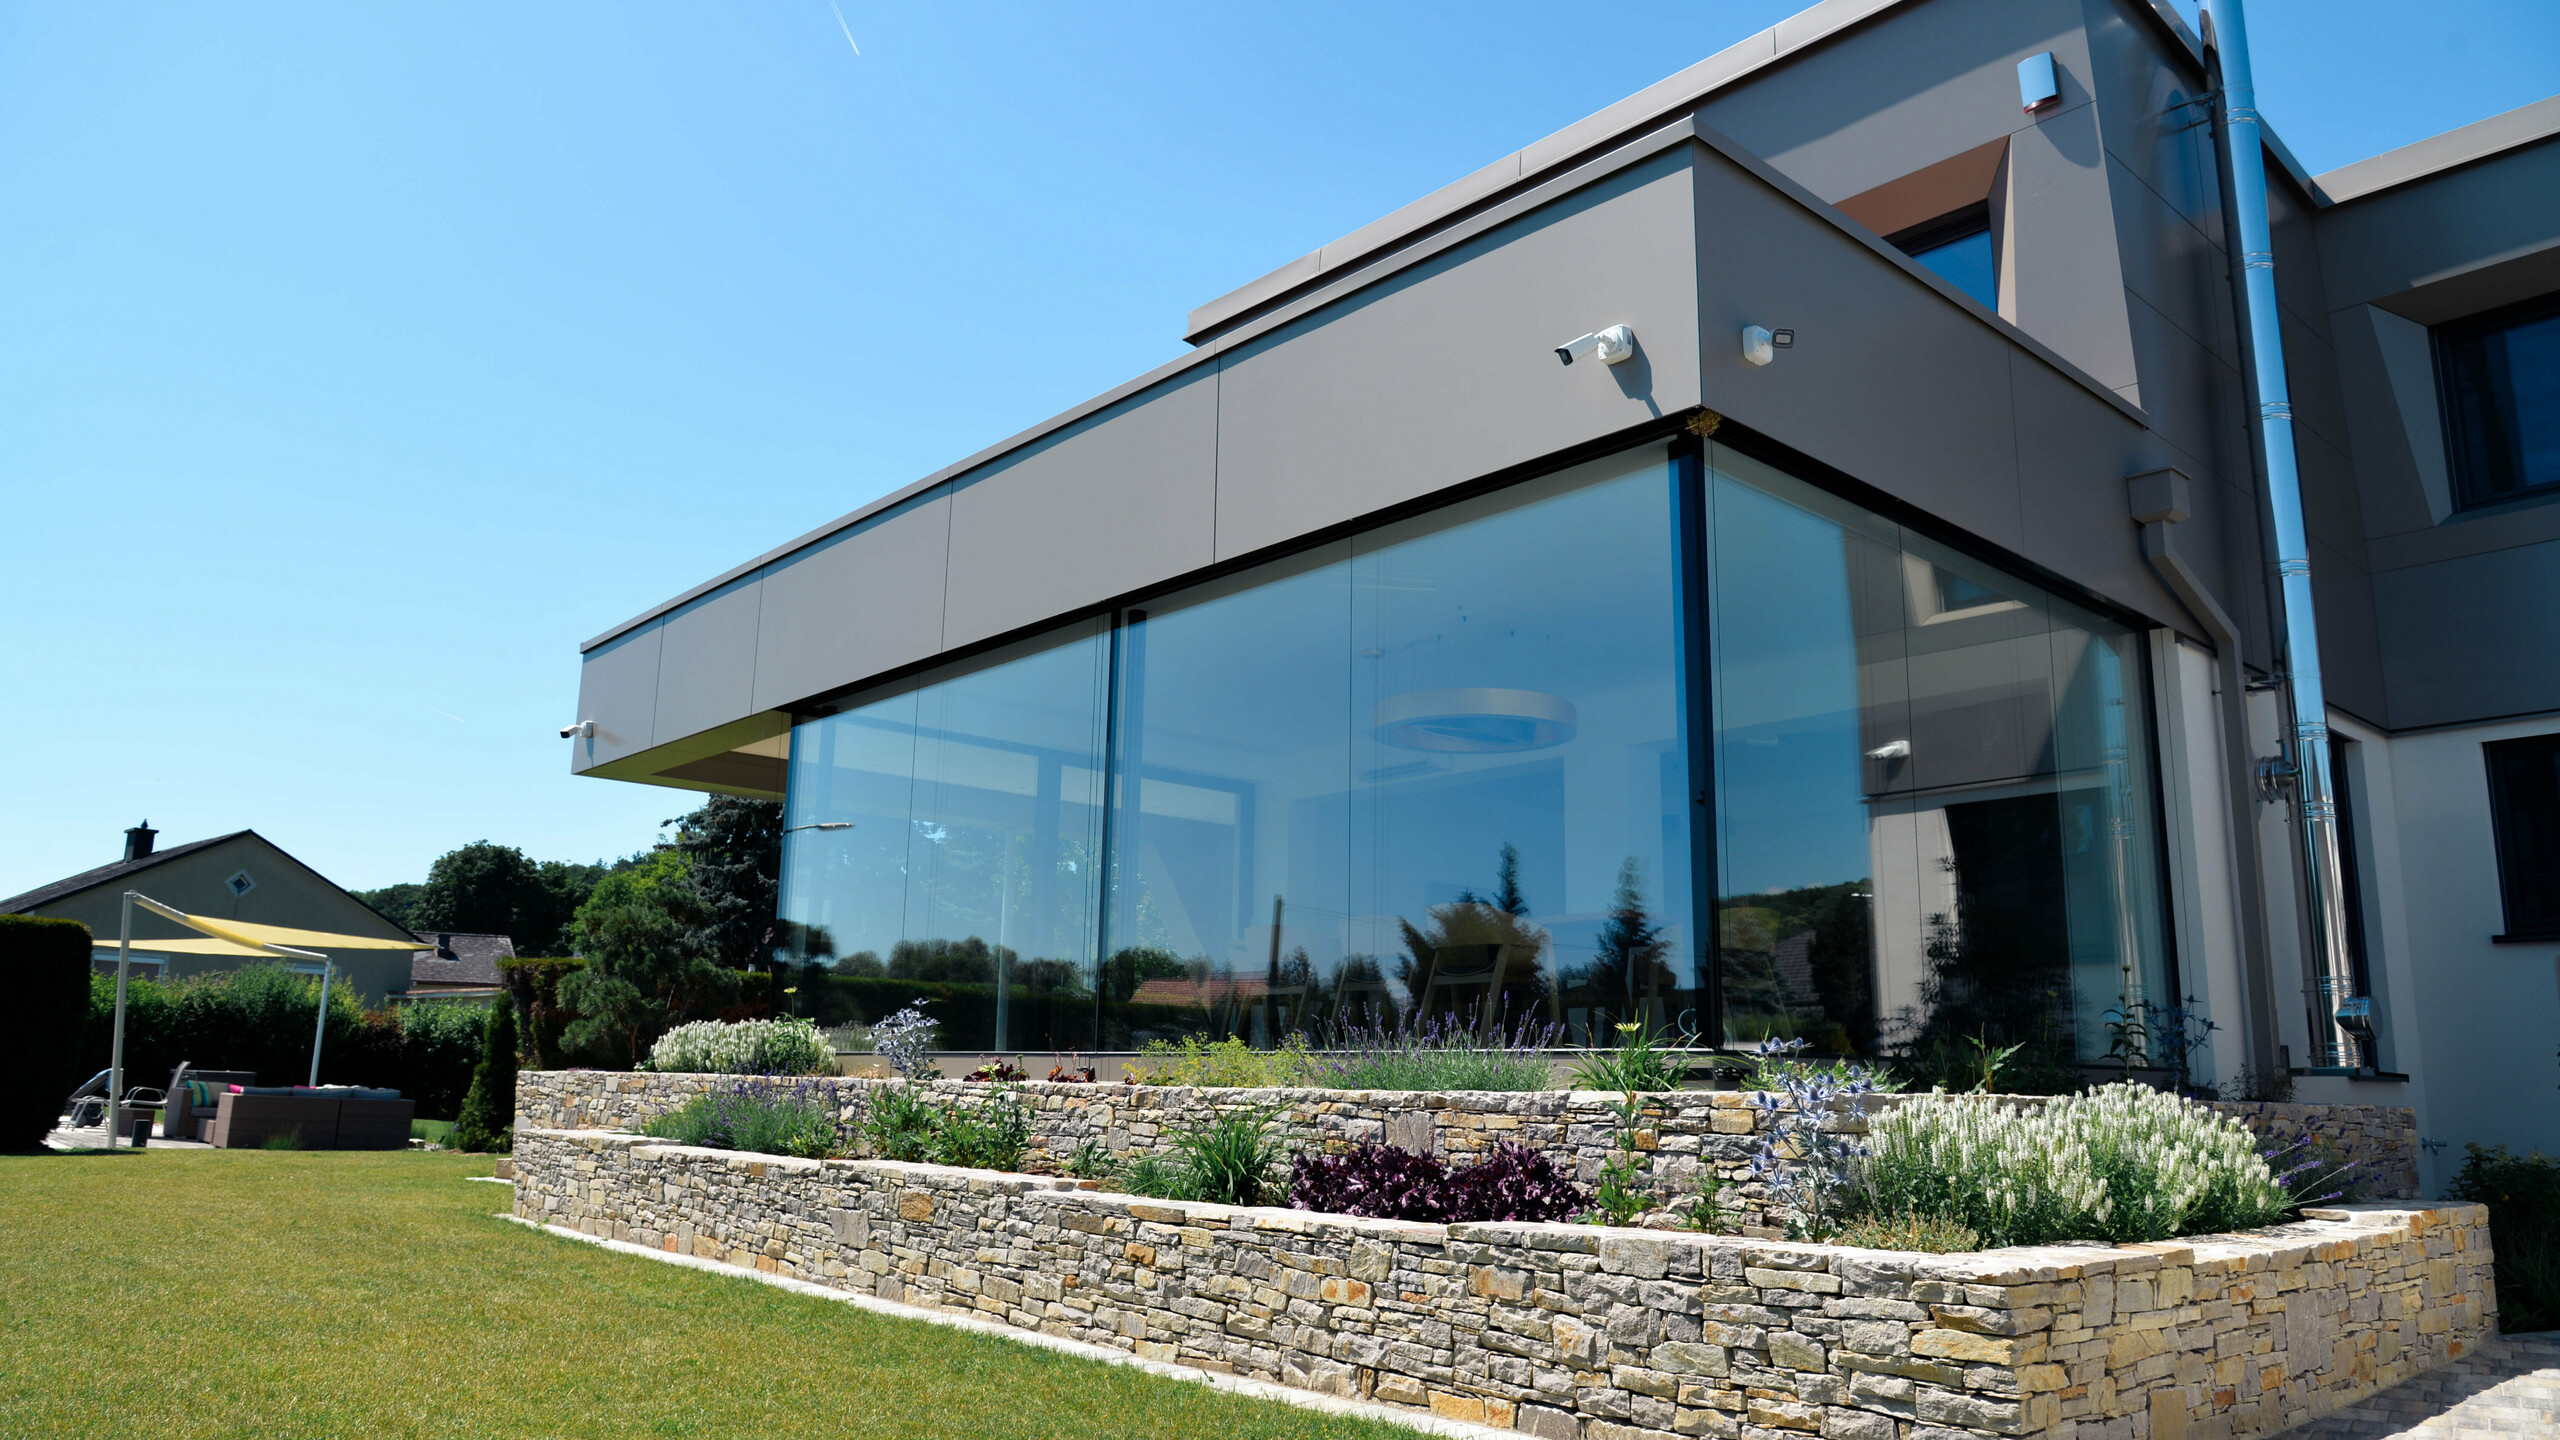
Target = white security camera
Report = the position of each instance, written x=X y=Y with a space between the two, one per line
x=1761 y=345
x=583 y=730
x=1615 y=345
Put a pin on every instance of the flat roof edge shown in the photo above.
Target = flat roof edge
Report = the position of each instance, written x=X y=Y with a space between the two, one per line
x=1646 y=108
x=2436 y=154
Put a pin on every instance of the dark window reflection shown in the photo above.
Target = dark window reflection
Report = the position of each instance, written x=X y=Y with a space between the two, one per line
x=2501 y=379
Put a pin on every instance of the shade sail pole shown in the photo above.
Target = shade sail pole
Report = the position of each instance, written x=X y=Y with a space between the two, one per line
x=320 y=1026
x=115 y=1057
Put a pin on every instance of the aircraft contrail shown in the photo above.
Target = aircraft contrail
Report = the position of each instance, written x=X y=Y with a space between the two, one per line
x=847 y=29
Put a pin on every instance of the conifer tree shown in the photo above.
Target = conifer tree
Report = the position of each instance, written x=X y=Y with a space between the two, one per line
x=488 y=1114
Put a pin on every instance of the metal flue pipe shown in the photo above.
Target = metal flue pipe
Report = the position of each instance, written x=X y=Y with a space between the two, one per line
x=2339 y=1016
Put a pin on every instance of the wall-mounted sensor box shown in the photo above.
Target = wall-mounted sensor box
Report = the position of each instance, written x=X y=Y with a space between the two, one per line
x=2038 y=84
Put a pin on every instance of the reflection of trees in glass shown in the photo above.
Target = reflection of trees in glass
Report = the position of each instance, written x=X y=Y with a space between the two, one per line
x=1799 y=964
x=1479 y=958
x=1627 y=979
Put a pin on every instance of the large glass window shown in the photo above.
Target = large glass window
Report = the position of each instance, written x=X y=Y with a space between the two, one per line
x=2501 y=378
x=1443 y=769
x=943 y=845
x=1433 y=769
x=1958 y=247
x=1934 y=815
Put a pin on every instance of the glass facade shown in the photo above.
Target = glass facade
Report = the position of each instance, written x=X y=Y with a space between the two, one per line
x=1933 y=788
x=1444 y=768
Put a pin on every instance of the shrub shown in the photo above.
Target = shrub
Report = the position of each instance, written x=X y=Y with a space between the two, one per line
x=761 y=1115
x=2122 y=1163
x=1156 y=1177
x=488 y=1117
x=745 y=1047
x=1641 y=1062
x=44 y=966
x=1232 y=1159
x=541 y=1018
x=990 y=1135
x=1438 y=1053
x=905 y=1123
x=1384 y=1182
x=1804 y=1156
x=2523 y=1196
x=1225 y=1063
x=901 y=1124
x=902 y=1040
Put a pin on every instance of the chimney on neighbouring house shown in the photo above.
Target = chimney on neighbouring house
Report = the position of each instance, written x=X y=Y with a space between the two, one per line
x=137 y=841
x=444 y=946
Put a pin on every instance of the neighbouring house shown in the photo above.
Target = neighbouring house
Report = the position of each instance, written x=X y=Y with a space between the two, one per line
x=239 y=876
x=1829 y=546
x=459 y=965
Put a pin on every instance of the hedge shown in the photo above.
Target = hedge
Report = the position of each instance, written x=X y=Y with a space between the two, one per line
x=44 y=971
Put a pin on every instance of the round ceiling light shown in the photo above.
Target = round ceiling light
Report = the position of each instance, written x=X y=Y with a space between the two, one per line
x=1475 y=721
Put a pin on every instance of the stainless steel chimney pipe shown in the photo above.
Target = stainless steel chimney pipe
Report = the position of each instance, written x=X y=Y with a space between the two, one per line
x=2338 y=1015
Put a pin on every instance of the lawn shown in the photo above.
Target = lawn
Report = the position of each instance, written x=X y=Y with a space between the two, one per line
x=179 y=1293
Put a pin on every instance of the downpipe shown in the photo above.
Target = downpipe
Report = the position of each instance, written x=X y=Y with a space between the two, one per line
x=2341 y=1019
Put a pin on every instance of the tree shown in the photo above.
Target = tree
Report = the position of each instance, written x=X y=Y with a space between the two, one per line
x=1628 y=960
x=647 y=966
x=488 y=1114
x=396 y=903
x=491 y=889
x=45 y=964
x=735 y=849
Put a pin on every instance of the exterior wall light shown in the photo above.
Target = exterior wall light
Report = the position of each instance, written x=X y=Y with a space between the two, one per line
x=1761 y=345
x=2038 y=83
x=1615 y=346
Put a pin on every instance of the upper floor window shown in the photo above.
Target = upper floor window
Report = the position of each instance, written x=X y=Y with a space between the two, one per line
x=1958 y=247
x=2501 y=379
x=2524 y=811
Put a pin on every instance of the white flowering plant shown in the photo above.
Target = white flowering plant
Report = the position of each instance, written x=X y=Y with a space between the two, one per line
x=2122 y=1163
x=744 y=1047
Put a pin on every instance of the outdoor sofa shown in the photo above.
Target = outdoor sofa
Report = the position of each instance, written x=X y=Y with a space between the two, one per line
x=326 y=1117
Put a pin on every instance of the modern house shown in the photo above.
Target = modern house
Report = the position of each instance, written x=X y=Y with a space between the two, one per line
x=1843 y=543
x=239 y=876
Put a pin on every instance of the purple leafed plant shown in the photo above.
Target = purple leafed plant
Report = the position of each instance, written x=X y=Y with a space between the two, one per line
x=1385 y=1182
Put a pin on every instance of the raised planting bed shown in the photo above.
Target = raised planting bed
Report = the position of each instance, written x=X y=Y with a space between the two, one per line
x=1682 y=1130
x=1587 y=1331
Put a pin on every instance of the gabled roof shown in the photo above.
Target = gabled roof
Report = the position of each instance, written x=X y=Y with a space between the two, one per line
x=475 y=960
x=107 y=874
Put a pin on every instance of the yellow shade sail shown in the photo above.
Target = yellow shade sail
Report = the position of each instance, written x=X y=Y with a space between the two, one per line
x=249 y=933
x=192 y=945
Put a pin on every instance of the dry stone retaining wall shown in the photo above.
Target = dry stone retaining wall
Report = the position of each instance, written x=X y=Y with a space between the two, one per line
x=1687 y=1129
x=1585 y=1332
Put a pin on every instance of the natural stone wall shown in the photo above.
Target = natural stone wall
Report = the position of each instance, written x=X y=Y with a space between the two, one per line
x=1685 y=1130
x=1586 y=1332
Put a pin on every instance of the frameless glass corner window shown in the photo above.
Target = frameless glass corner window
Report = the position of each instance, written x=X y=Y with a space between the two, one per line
x=1958 y=247
x=1933 y=789
x=2500 y=374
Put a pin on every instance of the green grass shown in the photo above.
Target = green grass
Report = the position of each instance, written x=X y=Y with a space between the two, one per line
x=431 y=1131
x=178 y=1293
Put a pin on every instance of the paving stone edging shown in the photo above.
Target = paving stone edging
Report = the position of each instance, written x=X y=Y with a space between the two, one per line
x=1582 y=1331
x=1687 y=1129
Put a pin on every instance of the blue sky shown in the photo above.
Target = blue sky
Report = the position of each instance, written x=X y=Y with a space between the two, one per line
x=356 y=362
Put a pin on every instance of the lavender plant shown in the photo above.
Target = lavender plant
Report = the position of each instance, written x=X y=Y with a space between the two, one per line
x=1439 y=1052
x=1805 y=1159
x=902 y=1040
x=763 y=1115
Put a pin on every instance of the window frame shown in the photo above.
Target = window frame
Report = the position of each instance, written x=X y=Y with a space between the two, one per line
x=2468 y=494
x=2501 y=818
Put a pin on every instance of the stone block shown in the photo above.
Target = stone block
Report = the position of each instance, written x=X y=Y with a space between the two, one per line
x=1682 y=1357
x=1964 y=1345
